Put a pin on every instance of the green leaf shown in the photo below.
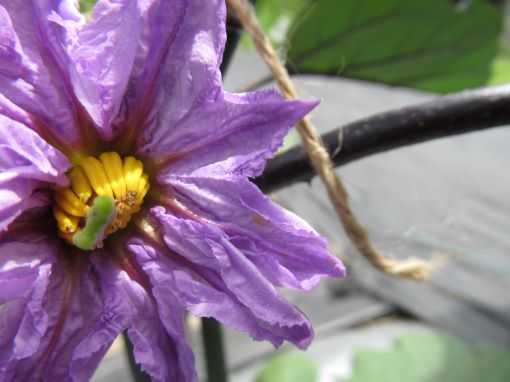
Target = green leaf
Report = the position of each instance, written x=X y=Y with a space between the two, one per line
x=432 y=357
x=87 y=5
x=289 y=367
x=277 y=16
x=500 y=70
x=431 y=45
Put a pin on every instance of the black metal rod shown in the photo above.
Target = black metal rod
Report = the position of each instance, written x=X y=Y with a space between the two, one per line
x=214 y=351
x=443 y=117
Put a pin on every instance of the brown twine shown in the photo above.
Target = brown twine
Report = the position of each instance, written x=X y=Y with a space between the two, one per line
x=412 y=268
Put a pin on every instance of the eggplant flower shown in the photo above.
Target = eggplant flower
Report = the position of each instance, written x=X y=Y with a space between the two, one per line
x=125 y=199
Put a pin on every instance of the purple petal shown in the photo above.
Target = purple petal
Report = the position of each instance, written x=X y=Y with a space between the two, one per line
x=102 y=54
x=231 y=135
x=71 y=310
x=157 y=332
x=29 y=76
x=10 y=51
x=177 y=68
x=119 y=301
x=199 y=290
x=26 y=164
x=190 y=117
x=161 y=350
x=159 y=341
x=21 y=264
x=25 y=267
x=61 y=312
x=256 y=305
x=21 y=317
x=37 y=329
x=284 y=247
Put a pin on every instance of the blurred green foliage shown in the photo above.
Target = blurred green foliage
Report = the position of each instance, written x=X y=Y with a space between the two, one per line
x=289 y=367
x=415 y=357
x=431 y=358
x=86 y=5
x=500 y=73
x=435 y=45
x=277 y=16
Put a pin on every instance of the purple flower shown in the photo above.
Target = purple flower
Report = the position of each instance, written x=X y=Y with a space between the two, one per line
x=128 y=109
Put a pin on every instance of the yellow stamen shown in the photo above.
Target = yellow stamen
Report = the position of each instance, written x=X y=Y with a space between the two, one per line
x=133 y=171
x=80 y=185
x=66 y=223
x=96 y=174
x=110 y=175
x=143 y=188
x=112 y=164
x=69 y=202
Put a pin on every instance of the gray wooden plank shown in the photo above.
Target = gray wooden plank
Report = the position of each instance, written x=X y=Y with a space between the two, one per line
x=436 y=306
x=446 y=197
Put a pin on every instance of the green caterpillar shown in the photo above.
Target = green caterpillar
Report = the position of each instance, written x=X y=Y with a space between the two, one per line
x=99 y=217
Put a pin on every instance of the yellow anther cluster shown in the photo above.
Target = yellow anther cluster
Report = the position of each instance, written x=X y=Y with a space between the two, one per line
x=109 y=175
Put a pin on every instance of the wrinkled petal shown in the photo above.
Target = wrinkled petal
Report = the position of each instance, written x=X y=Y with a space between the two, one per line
x=10 y=50
x=177 y=66
x=200 y=290
x=21 y=264
x=58 y=22
x=159 y=340
x=283 y=246
x=29 y=72
x=269 y=315
x=26 y=163
x=176 y=99
x=102 y=53
x=160 y=345
x=20 y=316
x=60 y=315
x=156 y=331
x=235 y=134
x=61 y=325
x=118 y=300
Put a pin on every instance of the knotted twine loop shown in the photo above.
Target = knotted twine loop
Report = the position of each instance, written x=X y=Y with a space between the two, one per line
x=412 y=268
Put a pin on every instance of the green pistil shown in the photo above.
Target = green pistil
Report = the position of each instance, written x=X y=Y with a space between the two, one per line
x=99 y=217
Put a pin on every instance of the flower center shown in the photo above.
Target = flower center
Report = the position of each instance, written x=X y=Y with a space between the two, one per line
x=104 y=193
